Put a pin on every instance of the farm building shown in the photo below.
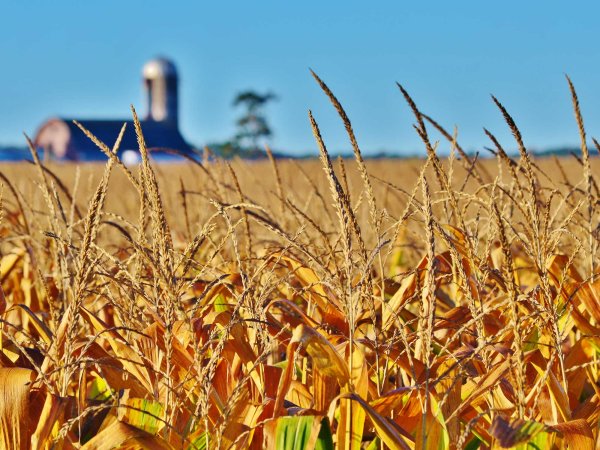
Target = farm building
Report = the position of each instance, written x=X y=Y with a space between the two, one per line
x=64 y=140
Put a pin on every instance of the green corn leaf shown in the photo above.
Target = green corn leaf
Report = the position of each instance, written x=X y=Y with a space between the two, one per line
x=143 y=414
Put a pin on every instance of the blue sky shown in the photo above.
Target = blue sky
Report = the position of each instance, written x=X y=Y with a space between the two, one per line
x=83 y=59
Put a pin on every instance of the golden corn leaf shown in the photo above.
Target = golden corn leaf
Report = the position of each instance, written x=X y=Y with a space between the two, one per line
x=561 y=400
x=352 y=416
x=127 y=356
x=15 y=429
x=51 y=419
x=406 y=290
x=577 y=434
x=43 y=331
x=8 y=262
x=432 y=433
x=323 y=353
x=389 y=433
x=123 y=436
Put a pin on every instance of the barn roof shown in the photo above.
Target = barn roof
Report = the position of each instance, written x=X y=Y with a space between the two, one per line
x=158 y=135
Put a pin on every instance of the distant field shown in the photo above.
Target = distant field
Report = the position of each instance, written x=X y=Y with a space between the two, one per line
x=281 y=304
x=258 y=182
x=303 y=183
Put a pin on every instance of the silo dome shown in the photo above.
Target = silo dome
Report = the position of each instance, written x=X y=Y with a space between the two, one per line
x=160 y=84
x=159 y=68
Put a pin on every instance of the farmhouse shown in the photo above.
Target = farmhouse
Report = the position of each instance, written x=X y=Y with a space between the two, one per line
x=64 y=140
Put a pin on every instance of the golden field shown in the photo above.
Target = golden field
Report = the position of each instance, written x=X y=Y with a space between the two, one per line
x=435 y=303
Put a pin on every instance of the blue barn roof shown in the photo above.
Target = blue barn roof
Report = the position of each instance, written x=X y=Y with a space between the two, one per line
x=158 y=135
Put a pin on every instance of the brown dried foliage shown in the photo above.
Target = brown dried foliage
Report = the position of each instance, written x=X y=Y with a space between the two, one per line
x=215 y=311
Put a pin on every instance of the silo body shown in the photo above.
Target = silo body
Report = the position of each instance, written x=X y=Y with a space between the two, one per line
x=160 y=83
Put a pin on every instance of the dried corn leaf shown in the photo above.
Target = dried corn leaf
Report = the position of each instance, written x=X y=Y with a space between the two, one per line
x=391 y=434
x=43 y=331
x=123 y=436
x=323 y=353
x=352 y=416
x=486 y=383
x=577 y=434
x=407 y=289
x=130 y=359
x=51 y=419
x=2 y=301
x=330 y=306
x=15 y=429
x=561 y=400
x=518 y=431
x=8 y=262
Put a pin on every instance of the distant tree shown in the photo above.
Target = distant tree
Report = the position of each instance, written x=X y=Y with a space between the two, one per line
x=253 y=125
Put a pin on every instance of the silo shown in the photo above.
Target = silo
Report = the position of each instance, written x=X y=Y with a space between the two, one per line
x=160 y=84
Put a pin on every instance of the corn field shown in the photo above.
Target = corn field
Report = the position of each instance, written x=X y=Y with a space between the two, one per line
x=424 y=304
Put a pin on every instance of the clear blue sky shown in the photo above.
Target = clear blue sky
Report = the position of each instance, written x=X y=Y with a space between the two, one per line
x=83 y=59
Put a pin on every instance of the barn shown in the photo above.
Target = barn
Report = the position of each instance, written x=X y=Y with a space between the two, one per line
x=62 y=139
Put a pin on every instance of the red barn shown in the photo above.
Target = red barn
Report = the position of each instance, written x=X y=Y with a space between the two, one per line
x=64 y=140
